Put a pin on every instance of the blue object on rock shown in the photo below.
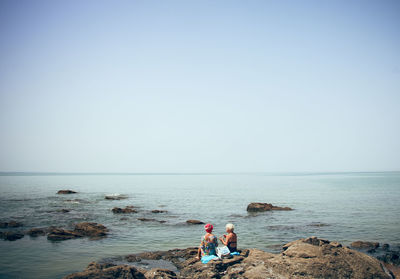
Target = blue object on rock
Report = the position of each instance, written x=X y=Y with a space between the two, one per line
x=235 y=253
x=206 y=259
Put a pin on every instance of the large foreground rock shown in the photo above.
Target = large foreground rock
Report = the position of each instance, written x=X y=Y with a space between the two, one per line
x=304 y=258
x=260 y=207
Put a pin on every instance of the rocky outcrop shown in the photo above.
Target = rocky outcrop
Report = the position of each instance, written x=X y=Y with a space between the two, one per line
x=11 y=236
x=34 y=232
x=194 y=222
x=95 y=270
x=261 y=207
x=304 y=258
x=364 y=245
x=66 y=192
x=11 y=224
x=92 y=230
x=128 y=209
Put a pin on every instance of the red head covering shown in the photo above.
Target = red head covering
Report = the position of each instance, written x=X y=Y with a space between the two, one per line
x=208 y=228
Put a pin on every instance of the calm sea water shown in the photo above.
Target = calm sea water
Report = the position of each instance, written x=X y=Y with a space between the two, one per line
x=344 y=207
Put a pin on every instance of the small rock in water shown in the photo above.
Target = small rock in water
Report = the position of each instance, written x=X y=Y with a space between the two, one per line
x=260 y=207
x=81 y=229
x=115 y=197
x=364 y=245
x=146 y=219
x=65 y=192
x=11 y=224
x=11 y=236
x=159 y=211
x=194 y=222
x=36 y=232
x=63 y=210
x=118 y=210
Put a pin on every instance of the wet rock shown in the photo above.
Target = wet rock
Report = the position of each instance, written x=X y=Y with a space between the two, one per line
x=385 y=247
x=118 y=210
x=364 y=245
x=159 y=211
x=91 y=229
x=36 y=232
x=57 y=234
x=391 y=257
x=95 y=270
x=11 y=224
x=124 y=218
x=115 y=197
x=63 y=210
x=194 y=222
x=160 y=273
x=66 y=192
x=150 y=220
x=11 y=236
x=260 y=207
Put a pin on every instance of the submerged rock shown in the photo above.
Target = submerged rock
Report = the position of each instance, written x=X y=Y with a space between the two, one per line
x=11 y=224
x=11 y=236
x=36 y=232
x=159 y=211
x=151 y=220
x=115 y=197
x=194 y=222
x=57 y=234
x=260 y=207
x=304 y=258
x=66 y=192
x=128 y=209
x=364 y=245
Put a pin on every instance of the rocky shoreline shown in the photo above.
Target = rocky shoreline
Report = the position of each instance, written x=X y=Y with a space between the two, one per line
x=304 y=258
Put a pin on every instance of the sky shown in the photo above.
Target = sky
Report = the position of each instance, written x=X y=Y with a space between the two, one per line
x=199 y=86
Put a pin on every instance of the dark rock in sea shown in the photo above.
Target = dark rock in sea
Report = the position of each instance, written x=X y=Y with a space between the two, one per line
x=92 y=230
x=36 y=232
x=124 y=219
x=391 y=257
x=385 y=247
x=159 y=211
x=118 y=210
x=11 y=236
x=66 y=192
x=95 y=270
x=304 y=258
x=194 y=222
x=260 y=207
x=115 y=197
x=63 y=210
x=150 y=220
x=364 y=245
x=11 y=224
x=57 y=234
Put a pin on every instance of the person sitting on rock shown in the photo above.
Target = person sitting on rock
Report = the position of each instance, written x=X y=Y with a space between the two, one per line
x=209 y=242
x=230 y=240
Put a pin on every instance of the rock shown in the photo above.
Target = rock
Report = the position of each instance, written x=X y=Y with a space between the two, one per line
x=260 y=207
x=160 y=273
x=11 y=224
x=364 y=245
x=124 y=219
x=115 y=197
x=118 y=210
x=11 y=236
x=391 y=257
x=36 y=232
x=304 y=258
x=150 y=220
x=57 y=234
x=159 y=211
x=82 y=229
x=385 y=247
x=108 y=271
x=66 y=192
x=63 y=210
x=194 y=222
x=91 y=229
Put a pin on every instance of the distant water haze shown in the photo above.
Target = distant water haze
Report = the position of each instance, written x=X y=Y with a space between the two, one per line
x=182 y=86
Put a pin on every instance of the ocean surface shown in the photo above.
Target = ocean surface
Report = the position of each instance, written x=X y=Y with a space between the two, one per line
x=337 y=206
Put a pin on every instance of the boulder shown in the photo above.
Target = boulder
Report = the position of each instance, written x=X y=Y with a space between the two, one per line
x=115 y=197
x=57 y=234
x=11 y=236
x=194 y=222
x=11 y=224
x=95 y=270
x=118 y=210
x=36 y=232
x=66 y=192
x=364 y=245
x=261 y=207
x=91 y=229
x=160 y=273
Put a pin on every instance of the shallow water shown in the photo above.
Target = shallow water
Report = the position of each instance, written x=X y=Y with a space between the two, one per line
x=344 y=207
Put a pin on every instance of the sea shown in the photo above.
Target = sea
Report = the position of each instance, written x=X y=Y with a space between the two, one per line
x=342 y=207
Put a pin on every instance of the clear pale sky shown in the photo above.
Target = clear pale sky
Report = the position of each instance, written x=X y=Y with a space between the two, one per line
x=199 y=86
